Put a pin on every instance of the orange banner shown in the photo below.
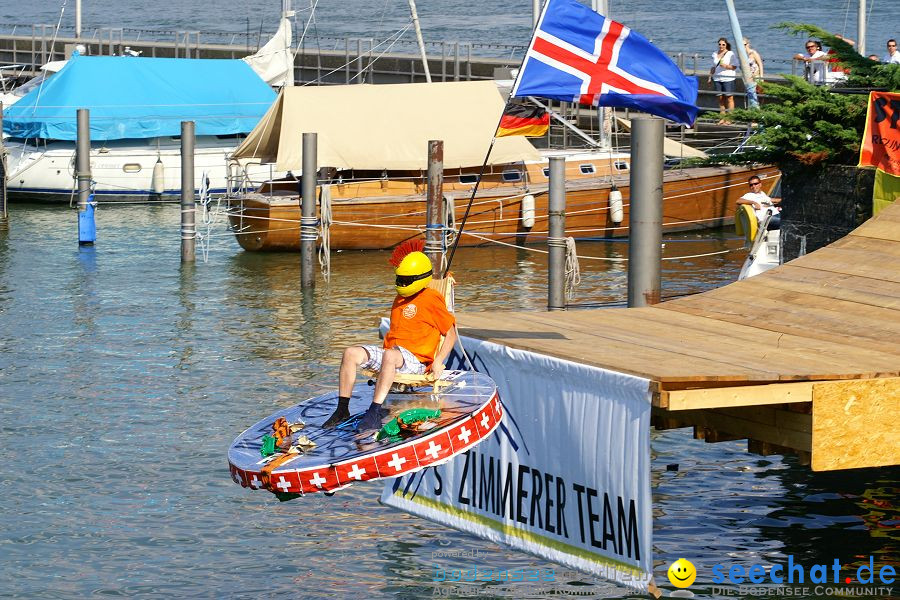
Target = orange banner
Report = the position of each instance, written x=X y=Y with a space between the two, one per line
x=881 y=141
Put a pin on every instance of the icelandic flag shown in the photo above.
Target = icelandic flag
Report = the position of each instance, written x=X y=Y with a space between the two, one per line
x=577 y=55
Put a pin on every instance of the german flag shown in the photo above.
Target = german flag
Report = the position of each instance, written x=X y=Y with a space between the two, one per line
x=518 y=119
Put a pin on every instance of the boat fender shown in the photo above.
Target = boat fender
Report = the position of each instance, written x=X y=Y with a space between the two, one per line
x=616 y=211
x=528 y=211
x=158 y=181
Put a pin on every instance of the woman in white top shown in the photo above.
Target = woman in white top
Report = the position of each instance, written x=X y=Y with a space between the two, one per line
x=722 y=75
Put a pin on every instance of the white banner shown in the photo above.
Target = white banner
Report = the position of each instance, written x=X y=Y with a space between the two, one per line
x=566 y=476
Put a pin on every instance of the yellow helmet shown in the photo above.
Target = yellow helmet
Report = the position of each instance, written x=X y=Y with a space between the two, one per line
x=413 y=274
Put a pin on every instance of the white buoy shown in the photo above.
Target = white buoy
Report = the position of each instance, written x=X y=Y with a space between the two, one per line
x=158 y=181
x=528 y=211
x=616 y=211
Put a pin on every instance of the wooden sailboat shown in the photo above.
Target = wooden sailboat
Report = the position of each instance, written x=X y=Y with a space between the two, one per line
x=373 y=139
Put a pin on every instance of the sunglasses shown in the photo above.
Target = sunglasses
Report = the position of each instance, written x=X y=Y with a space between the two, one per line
x=406 y=280
x=811 y=47
x=756 y=183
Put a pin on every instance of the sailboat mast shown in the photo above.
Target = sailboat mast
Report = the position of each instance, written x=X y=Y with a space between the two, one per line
x=746 y=75
x=78 y=18
x=415 y=20
x=861 y=28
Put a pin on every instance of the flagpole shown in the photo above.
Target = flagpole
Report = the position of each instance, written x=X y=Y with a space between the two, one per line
x=487 y=156
x=602 y=7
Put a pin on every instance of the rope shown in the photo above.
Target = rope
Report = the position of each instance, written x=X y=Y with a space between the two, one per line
x=573 y=273
x=325 y=220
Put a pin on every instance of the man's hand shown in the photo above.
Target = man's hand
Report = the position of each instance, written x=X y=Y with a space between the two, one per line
x=437 y=369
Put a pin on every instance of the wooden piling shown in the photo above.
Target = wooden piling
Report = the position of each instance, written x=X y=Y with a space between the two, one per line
x=434 y=220
x=188 y=206
x=308 y=233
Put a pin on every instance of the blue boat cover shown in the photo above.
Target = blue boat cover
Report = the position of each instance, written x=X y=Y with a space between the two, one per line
x=133 y=97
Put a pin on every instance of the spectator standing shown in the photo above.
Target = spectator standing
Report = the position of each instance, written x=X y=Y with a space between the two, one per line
x=756 y=72
x=815 y=62
x=893 y=55
x=722 y=75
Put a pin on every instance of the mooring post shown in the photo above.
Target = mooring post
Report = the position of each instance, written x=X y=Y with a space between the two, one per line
x=434 y=220
x=188 y=207
x=556 y=238
x=645 y=215
x=4 y=215
x=87 y=230
x=308 y=211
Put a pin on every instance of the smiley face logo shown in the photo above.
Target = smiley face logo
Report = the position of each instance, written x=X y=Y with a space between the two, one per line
x=682 y=573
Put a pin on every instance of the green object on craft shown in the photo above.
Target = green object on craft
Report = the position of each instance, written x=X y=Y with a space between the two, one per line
x=268 y=445
x=411 y=416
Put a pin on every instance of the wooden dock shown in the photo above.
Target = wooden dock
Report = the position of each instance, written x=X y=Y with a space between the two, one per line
x=802 y=359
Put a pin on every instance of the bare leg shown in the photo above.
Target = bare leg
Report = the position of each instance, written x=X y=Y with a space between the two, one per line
x=721 y=107
x=391 y=361
x=352 y=358
x=730 y=103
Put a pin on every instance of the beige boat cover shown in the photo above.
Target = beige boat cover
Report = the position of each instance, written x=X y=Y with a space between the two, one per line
x=385 y=126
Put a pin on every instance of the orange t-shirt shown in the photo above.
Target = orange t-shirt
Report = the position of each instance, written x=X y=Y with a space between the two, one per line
x=418 y=322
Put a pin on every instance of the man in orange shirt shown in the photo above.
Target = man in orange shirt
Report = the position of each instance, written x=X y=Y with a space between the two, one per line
x=419 y=317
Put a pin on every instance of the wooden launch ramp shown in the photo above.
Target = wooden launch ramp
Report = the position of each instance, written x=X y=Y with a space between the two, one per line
x=802 y=359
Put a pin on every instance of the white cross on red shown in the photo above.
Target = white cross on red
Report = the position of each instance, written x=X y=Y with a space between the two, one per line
x=255 y=482
x=598 y=71
x=485 y=420
x=317 y=480
x=356 y=472
x=464 y=435
x=433 y=449
x=396 y=461
x=283 y=484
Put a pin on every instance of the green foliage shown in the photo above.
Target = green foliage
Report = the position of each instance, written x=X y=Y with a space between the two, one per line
x=817 y=124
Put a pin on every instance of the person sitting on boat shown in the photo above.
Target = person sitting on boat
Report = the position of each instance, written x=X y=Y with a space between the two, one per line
x=762 y=204
x=419 y=317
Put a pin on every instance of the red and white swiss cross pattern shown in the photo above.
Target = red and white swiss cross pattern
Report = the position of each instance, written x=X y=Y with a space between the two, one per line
x=486 y=418
x=463 y=435
x=317 y=480
x=435 y=448
x=285 y=482
x=397 y=461
x=361 y=469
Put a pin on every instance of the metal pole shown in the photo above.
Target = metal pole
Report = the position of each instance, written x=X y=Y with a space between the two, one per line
x=746 y=75
x=4 y=214
x=605 y=114
x=78 y=19
x=434 y=225
x=421 y=42
x=861 y=28
x=645 y=214
x=188 y=208
x=535 y=13
x=308 y=211
x=556 y=240
x=87 y=231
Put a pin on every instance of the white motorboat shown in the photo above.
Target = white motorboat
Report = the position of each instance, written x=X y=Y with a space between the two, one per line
x=136 y=106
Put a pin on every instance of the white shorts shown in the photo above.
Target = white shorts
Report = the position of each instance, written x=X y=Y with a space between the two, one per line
x=410 y=366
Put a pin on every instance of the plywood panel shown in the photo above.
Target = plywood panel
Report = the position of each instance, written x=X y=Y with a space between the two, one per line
x=854 y=424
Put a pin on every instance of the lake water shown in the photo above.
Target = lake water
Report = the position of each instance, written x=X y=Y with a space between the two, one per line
x=690 y=26
x=124 y=377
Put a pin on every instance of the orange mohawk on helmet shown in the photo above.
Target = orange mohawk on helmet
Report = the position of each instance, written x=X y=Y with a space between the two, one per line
x=404 y=248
